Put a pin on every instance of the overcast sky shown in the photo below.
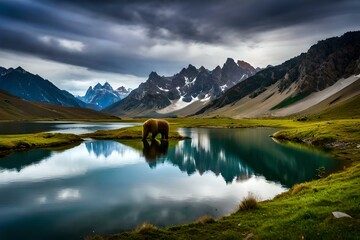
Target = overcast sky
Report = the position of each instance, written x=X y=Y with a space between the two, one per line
x=77 y=43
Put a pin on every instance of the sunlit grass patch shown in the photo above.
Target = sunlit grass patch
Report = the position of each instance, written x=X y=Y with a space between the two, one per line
x=298 y=188
x=146 y=228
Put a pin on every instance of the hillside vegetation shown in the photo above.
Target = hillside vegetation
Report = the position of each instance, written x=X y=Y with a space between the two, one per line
x=347 y=109
x=14 y=108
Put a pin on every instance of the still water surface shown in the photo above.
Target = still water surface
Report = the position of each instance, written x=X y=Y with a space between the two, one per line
x=59 y=127
x=103 y=187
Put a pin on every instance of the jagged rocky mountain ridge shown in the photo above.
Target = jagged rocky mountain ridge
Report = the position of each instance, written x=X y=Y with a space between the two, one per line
x=2 y=69
x=34 y=88
x=102 y=96
x=161 y=95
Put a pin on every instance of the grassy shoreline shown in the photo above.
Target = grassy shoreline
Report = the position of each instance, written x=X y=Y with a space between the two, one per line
x=305 y=211
x=21 y=142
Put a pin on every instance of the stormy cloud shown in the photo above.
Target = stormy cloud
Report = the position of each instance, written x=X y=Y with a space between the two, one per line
x=139 y=36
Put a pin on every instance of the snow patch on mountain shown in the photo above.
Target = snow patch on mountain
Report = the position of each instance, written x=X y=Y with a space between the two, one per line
x=206 y=98
x=245 y=76
x=223 y=87
x=177 y=105
x=163 y=89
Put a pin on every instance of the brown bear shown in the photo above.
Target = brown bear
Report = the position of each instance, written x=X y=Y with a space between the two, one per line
x=155 y=126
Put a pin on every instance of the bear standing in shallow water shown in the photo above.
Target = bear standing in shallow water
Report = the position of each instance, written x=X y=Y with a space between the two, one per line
x=155 y=126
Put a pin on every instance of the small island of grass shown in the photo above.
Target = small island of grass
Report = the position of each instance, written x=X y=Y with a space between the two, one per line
x=10 y=143
x=127 y=133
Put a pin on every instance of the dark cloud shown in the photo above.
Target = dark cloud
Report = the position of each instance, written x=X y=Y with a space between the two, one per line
x=208 y=20
x=104 y=60
x=25 y=24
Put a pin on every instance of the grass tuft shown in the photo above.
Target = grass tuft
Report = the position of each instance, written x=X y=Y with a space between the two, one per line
x=298 y=188
x=248 y=203
x=205 y=219
x=146 y=228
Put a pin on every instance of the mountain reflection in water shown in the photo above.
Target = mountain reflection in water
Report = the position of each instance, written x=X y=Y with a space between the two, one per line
x=234 y=154
x=237 y=154
x=104 y=148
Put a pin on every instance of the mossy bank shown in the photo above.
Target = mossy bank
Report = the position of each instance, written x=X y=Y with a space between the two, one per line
x=10 y=143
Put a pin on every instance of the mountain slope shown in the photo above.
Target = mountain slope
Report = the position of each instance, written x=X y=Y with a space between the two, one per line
x=14 y=108
x=345 y=103
x=34 y=88
x=2 y=69
x=321 y=67
x=102 y=96
x=347 y=109
x=164 y=96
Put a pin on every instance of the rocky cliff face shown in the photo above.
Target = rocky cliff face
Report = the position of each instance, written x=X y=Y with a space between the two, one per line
x=329 y=60
x=176 y=92
x=102 y=96
x=34 y=88
x=324 y=64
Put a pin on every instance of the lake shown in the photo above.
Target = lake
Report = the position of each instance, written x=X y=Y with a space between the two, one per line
x=103 y=187
x=59 y=127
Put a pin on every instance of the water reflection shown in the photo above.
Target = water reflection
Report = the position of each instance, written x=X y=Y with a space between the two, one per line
x=235 y=155
x=155 y=150
x=238 y=154
x=38 y=165
x=19 y=160
x=104 y=148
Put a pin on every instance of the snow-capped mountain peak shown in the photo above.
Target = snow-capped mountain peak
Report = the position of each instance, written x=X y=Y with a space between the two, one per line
x=107 y=86
x=101 y=96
